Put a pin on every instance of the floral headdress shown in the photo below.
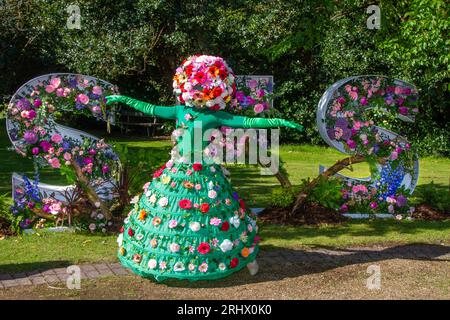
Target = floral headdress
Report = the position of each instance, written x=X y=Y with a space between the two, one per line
x=205 y=82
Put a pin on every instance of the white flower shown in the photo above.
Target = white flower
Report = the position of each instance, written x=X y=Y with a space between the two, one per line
x=235 y=221
x=163 y=202
x=100 y=216
x=152 y=263
x=212 y=194
x=174 y=247
x=191 y=267
x=249 y=227
x=179 y=266
x=139 y=236
x=222 y=266
x=194 y=226
x=226 y=245
x=104 y=230
x=120 y=239
x=399 y=217
x=92 y=226
x=134 y=200
x=212 y=169
x=152 y=198
x=126 y=220
x=243 y=237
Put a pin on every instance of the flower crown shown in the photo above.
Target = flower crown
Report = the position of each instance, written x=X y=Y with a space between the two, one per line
x=205 y=82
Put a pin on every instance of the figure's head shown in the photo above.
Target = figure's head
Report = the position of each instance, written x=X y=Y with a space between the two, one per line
x=205 y=82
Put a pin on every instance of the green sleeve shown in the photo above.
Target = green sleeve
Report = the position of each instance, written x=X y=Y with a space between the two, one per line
x=229 y=120
x=145 y=107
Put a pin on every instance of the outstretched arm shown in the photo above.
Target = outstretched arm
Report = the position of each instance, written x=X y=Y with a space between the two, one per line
x=233 y=121
x=145 y=107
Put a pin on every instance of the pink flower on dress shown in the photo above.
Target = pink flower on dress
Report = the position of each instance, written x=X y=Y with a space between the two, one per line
x=97 y=90
x=173 y=223
x=82 y=98
x=215 y=221
x=56 y=138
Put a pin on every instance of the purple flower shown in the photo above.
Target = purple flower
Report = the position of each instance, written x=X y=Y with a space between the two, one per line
x=363 y=101
x=346 y=134
x=37 y=103
x=45 y=145
x=87 y=160
x=23 y=104
x=403 y=111
x=30 y=137
x=373 y=205
x=35 y=150
x=342 y=123
x=351 y=144
x=401 y=201
x=105 y=169
x=235 y=195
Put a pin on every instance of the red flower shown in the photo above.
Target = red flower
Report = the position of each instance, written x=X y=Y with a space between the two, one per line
x=242 y=203
x=204 y=248
x=185 y=204
x=197 y=166
x=121 y=229
x=225 y=226
x=159 y=171
x=180 y=97
x=234 y=262
x=217 y=91
x=204 y=208
x=215 y=107
x=200 y=77
x=130 y=232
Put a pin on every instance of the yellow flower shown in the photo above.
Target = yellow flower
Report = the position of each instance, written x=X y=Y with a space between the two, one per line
x=122 y=251
x=188 y=184
x=165 y=179
x=154 y=242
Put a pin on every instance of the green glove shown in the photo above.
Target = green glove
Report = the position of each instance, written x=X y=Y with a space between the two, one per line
x=144 y=107
x=270 y=123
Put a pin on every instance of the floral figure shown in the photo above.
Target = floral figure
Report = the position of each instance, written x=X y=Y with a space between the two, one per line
x=210 y=215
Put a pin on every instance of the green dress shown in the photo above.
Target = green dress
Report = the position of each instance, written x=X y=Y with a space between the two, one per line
x=189 y=223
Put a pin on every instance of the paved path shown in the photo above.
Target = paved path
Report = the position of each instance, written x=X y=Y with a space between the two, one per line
x=322 y=257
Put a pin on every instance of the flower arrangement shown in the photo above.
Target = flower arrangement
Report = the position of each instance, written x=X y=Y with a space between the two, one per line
x=35 y=134
x=254 y=95
x=204 y=81
x=347 y=123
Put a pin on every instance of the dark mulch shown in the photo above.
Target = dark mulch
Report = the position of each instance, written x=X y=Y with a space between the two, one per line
x=313 y=214
x=427 y=212
x=5 y=229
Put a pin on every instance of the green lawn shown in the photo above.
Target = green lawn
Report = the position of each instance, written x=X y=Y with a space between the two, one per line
x=31 y=252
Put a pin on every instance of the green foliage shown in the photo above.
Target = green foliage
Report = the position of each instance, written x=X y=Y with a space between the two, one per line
x=283 y=197
x=7 y=219
x=430 y=194
x=306 y=44
x=326 y=193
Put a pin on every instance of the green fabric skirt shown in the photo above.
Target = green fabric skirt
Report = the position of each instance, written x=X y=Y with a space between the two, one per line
x=188 y=224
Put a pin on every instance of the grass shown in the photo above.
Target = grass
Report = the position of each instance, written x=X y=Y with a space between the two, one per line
x=31 y=252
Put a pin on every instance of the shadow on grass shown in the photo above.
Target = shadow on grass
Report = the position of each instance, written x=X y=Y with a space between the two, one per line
x=282 y=263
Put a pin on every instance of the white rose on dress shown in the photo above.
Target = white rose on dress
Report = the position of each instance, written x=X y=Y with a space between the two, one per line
x=174 y=247
x=163 y=202
x=226 y=245
x=235 y=221
x=120 y=239
x=152 y=263
x=194 y=226
x=212 y=194
x=222 y=266
x=152 y=198
x=179 y=266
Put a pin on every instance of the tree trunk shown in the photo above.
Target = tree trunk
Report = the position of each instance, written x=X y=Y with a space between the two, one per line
x=93 y=197
x=284 y=180
x=338 y=166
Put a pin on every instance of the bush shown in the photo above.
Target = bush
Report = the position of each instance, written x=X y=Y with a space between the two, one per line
x=434 y=196
x=8 y=223
x=283 y=197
